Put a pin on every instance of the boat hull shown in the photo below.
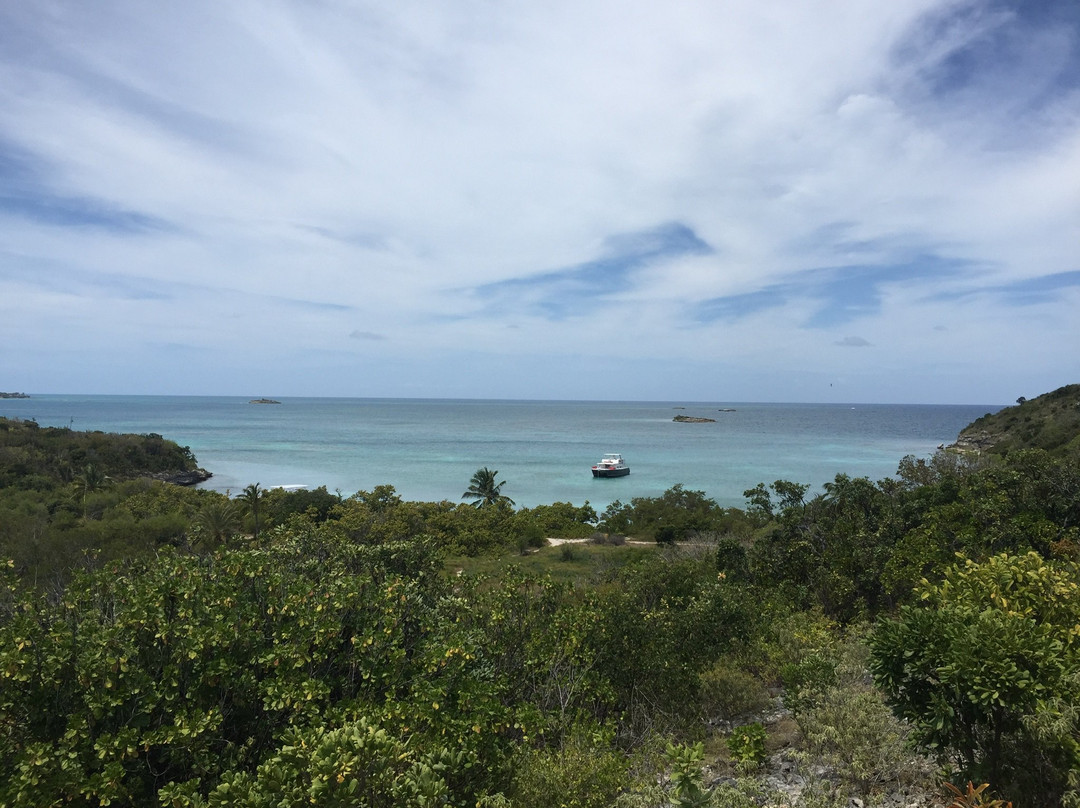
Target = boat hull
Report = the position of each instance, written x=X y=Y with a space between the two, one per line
x=610 y=472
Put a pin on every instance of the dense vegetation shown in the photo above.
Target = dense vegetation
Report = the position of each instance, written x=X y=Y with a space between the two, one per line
x=32 y=456
x=168 y=646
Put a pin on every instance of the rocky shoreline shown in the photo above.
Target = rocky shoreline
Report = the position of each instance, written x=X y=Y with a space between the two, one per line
x=185 y=478
x=977 y=441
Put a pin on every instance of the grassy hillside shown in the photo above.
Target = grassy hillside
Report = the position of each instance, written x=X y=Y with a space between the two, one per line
x=1050 y=422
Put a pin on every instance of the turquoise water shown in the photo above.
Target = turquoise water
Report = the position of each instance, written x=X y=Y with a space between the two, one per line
x=428 y=449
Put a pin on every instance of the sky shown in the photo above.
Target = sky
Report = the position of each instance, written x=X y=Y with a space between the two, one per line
x=749 y=200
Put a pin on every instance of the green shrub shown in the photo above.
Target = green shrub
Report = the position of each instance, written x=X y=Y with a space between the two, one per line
x=195 y=670
x=728 y=692
x=747 y=746
x=731 y=558
x=584 y=772
x=852 y=730
x=687 y=783
x=668 y=534
x=560 y=520
x=355 y=764
x=806 y=680
x=613 y=539
x=673 y=516
x=530 y=537
x=997 y=646
x=789 y=638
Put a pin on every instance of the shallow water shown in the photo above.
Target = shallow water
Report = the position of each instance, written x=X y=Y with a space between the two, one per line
x=429 y=448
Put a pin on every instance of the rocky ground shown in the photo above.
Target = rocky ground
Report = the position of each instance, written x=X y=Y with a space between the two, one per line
x=792 y=778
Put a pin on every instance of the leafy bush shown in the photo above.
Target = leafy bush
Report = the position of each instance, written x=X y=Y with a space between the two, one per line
x=728 y=692
x=992 y=645
x=317 y=504
x=787 y=639
x=731 y=558
x=613 y=539
x=746 y=744
x=806 y=680
x=675 y=515
x=358 y=763
x=852 y=730
x=659 y=624
x=687 y=788
x=560 y=520
x=584 y=772
x=185 y=669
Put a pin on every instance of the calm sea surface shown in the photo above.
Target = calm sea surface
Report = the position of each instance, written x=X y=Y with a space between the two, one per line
x=428 y=449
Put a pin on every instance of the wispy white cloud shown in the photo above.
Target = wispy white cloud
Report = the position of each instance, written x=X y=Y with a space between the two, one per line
x=837 y=294
x=853 y=342
x=366 y=335
x=579 y=290
x=693 y=197
x=1026 y=292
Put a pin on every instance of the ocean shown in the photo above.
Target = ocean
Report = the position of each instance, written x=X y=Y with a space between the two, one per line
x=429 y=448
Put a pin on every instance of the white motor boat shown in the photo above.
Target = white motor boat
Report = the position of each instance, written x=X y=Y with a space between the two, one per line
x=611 y=465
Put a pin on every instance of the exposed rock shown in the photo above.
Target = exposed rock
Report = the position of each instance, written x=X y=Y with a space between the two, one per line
x=193 y=477
x=787 y=779
x=974 y=441
x=791 y=776
x=691 y=419
x=14 y=395
x=263 y=401
x=1050 y=422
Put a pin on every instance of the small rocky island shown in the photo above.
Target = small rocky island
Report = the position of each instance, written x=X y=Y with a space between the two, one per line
x=691 y=419
x=14 y=395
x=263 y=401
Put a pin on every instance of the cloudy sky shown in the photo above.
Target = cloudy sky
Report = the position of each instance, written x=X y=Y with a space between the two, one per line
x=748 y=200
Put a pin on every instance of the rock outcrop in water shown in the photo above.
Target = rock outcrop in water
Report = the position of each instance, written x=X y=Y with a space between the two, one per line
x=193 y=477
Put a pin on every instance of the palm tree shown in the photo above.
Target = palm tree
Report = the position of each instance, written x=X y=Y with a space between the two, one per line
x=90 y=480
x=251 y=496
x=218 y=520
x=484 y=489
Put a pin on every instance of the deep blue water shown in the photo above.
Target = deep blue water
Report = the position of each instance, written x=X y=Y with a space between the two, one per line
x=428 y=449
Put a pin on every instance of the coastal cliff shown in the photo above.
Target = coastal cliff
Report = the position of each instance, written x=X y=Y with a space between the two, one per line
x=1050 y=422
